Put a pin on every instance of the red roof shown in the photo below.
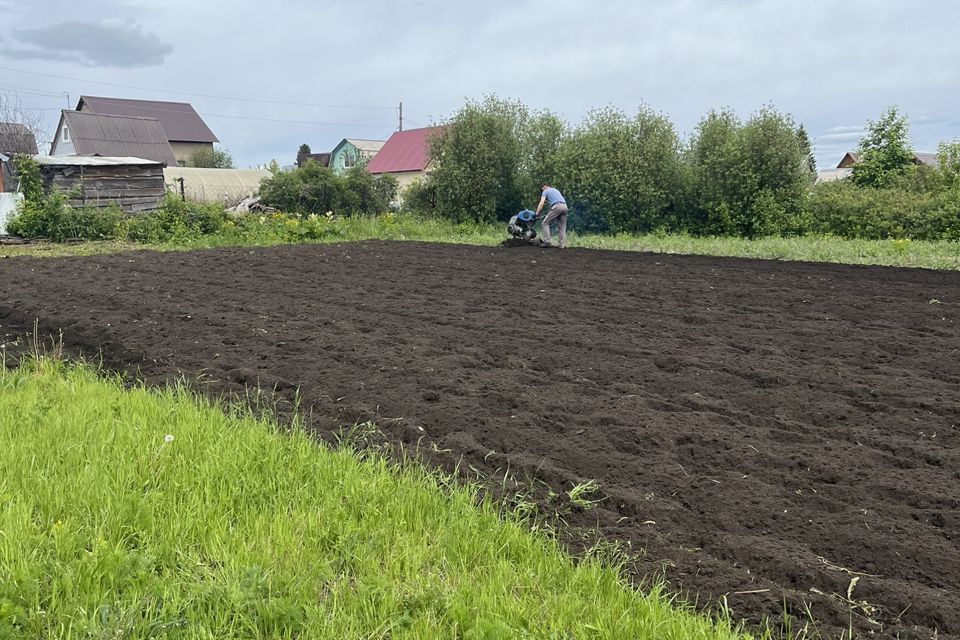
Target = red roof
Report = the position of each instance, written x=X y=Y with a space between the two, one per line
x=404 y=151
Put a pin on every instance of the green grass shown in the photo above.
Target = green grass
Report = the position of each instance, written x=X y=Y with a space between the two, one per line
x=131 y=513
x=273 y=231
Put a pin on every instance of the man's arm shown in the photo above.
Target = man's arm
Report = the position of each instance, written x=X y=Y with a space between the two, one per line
x=540 y=206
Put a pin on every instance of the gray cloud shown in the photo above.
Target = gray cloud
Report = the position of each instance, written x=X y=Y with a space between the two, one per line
x=106 y=43
x=831 y=65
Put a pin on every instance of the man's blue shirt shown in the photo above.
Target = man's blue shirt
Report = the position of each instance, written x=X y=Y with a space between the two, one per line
x=553 y=196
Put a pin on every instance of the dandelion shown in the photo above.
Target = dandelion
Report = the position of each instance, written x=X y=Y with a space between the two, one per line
x=167 y=439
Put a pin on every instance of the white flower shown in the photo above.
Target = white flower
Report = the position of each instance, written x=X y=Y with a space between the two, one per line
x=168 y=438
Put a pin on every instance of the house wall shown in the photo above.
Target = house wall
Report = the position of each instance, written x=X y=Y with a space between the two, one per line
x=338 y=155
x=183 y=150
x=62 y=147
x=404 y=179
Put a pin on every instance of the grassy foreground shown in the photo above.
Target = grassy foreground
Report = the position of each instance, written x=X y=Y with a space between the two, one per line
x=284 y=229
x=137 y=513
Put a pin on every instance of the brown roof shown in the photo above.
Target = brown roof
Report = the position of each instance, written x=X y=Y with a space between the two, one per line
x=920 y=157
x=16 y=138
x=98 y=135
x=179 y=119
x=320 y=158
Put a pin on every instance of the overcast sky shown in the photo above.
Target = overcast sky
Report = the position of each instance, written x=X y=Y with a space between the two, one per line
x=269 y=76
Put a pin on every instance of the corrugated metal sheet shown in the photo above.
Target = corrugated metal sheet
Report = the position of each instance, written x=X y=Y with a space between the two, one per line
x=16 y=138
x=179 y=119
x=91 y=161
x=118 y=136
x=404 y=151
x=215 y=185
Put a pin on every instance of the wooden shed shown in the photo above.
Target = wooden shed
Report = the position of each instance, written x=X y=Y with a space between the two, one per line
x=133 y=184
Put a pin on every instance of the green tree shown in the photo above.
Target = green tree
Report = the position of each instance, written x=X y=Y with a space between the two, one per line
x=302 y=154
x=948 y=156
x=778 y=173
x=28 y=175
x=625 y=171
x=477 y=162
x=362 y=193
x=885 y=153
x=211 y=158
x=541 y=140
x=714 y=158
x=810 y=162
x=387 y=189
x=748 y=179
x=314 y=188
x=311 y=188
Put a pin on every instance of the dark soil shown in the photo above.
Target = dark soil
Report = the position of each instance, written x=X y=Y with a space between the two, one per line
x=759 y=430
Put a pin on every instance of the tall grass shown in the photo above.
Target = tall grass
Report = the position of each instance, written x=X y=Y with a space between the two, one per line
x=274 y=230
x=137 y=513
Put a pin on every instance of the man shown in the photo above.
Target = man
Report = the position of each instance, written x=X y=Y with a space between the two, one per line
x=556 y=210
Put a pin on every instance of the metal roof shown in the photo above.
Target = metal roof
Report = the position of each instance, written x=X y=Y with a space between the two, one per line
x=366 y=145
x=919 y=157
x=117 y=136
x=179 y=119
x=91 y=161
x=404 y=151
x=16 y=138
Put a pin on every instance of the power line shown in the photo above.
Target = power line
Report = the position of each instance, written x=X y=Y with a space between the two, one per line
x=198 y=95
x=324 y=124
x=233 y=117
x=12 y=88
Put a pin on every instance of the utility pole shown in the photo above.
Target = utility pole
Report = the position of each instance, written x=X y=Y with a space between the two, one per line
x=67 y=95
x=401 y=115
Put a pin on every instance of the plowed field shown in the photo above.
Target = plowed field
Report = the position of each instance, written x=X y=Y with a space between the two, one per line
x=760 y=430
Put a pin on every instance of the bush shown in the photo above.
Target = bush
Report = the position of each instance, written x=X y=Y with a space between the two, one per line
x=28 y=175
x=884 y=152
x=477 y=161
x=314 y=188
x=844 y=209
x=53 y=219
x=176 y=219
x=624 y=171
x=211 y=158
x=419 y=196
x=748 y=179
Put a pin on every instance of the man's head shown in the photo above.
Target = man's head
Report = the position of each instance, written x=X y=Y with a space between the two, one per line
x=544 y=187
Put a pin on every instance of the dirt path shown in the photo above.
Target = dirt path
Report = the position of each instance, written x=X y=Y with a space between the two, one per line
x=760 y=430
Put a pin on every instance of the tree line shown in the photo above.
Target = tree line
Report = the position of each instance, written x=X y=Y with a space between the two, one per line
x=732 y=177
